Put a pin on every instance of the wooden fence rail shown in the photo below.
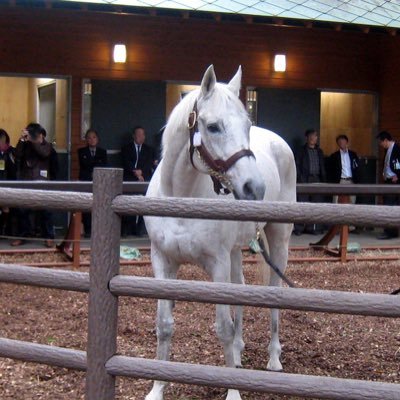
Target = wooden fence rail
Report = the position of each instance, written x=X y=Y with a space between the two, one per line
x=45 y=277
x=329 y=301
x=241 y=210
x=252 y=380
x=105 y=285
x=370 y=215
x=43 y=354
x=141 y=187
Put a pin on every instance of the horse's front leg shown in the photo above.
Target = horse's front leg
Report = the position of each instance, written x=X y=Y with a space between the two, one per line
x=278 y=236
x=224 y=325
x=163 y=269
x=237 y=277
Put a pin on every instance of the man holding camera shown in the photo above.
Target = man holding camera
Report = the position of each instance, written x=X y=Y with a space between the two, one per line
x=33 y=155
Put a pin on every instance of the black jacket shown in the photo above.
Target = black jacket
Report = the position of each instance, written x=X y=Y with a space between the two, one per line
x=87 y=163
x=145 y=162
x=335 y=166
x=10 y=168
x=34 y=160
x=395 y=160
x=303 y=165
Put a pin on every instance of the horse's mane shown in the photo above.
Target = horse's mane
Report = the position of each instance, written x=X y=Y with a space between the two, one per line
x=178 y=121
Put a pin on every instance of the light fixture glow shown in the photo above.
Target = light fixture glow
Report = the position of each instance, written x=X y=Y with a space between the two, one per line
x=280 y=63
x=119 y=53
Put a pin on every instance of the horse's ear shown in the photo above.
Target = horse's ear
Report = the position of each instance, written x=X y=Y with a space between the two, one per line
x=208 y=82
x=236 y=82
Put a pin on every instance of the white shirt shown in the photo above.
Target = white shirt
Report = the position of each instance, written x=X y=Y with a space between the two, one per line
x=346 y=164
x=387 y=171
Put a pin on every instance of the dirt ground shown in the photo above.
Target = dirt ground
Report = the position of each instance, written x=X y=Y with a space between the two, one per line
x=312 y=343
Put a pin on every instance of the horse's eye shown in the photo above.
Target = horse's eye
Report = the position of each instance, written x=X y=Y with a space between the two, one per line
x=213 y=128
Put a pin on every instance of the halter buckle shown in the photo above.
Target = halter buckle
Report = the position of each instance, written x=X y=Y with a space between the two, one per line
x=192 y=119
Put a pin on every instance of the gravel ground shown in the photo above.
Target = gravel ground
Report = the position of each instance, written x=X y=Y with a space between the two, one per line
x=313 y=343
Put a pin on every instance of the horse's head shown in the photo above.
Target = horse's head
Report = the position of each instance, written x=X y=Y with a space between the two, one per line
x=221 y=137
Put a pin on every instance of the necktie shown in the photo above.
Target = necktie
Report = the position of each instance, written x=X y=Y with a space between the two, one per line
x=138 y=146
x=93 y=152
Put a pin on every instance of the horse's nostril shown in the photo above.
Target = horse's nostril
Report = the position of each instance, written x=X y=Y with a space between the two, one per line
x=249 y=190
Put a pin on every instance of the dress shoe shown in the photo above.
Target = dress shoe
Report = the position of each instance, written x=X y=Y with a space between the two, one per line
x=49 y=243
x=17 y=242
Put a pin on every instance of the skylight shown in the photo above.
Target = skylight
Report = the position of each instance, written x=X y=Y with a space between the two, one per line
x=364 y=12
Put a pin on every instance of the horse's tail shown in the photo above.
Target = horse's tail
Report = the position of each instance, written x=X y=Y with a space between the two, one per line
x=264 y=270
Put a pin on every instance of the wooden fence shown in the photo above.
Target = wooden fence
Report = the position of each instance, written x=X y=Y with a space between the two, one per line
x=105 y=285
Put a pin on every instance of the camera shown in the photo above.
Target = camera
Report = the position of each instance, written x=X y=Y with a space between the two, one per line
x=32 y=131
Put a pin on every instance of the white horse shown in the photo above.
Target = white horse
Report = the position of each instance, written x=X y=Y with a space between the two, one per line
x=219 y=130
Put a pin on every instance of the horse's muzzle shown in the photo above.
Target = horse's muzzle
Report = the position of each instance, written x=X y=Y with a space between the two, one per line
x=251 y=190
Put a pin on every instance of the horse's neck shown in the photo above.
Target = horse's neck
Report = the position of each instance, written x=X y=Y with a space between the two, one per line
x=179 y=179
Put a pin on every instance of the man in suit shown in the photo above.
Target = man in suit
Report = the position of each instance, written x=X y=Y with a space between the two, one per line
x=137 y=157
x=138 y=164
x=310 y=166
x=90 y=157
x=343 y=165
x=391 y=175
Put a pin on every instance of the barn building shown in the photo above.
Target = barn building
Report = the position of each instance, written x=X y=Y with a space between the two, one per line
x=341 y=73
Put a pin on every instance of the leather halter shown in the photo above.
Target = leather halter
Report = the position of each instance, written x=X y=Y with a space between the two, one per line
x=217 y=167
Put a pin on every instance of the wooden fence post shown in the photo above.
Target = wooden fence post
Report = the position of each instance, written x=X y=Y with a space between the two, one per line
x=103 y=306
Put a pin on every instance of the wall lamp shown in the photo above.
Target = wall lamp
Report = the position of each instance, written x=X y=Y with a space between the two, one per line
x=280 y=63
x=119 y=53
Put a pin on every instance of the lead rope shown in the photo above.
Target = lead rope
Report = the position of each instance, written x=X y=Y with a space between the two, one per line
x=257 y=246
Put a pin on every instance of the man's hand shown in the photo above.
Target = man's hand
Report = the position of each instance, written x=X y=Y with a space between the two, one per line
x=139 y=174
x=24 y=135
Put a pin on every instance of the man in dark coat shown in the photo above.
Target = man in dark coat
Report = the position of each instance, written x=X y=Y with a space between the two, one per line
x=90 y=157
x=137 y=158
x=8 y=171
x=138 y=164
x=34 y=155
x=391 y=175
x=343 y=164
x=310 y=166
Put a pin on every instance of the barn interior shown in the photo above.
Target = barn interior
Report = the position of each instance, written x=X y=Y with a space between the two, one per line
x=57 y=67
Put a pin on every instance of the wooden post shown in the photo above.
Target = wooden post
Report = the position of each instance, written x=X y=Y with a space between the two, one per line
x=72 y=240
x=76 y=237
x=103 y=306
x=344 y=231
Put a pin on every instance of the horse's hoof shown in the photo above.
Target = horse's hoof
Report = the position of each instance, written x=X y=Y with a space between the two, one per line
x=274 y=366
x=150 y=396
x=155 y=395
x=233 y=395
